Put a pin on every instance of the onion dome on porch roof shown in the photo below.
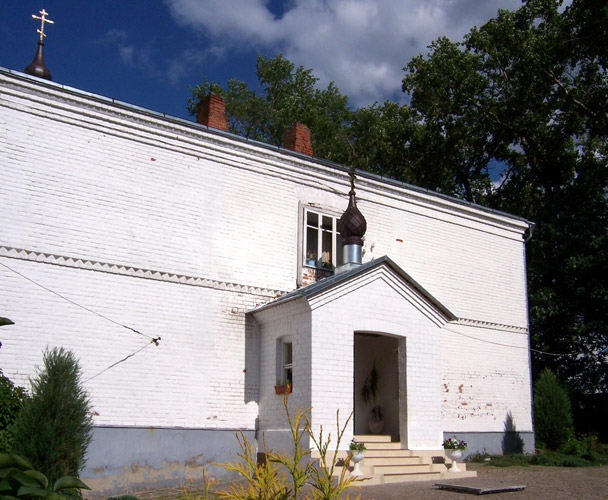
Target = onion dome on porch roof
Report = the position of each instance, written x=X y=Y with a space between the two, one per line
x=352 y=225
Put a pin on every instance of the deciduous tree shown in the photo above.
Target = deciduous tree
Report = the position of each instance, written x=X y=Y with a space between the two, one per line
x=529 y=90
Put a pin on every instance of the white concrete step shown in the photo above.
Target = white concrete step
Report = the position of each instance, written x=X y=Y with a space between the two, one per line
x=372 y=438
x=407 y=469
x=386 y=462
x=384 y=459
x=382 y=446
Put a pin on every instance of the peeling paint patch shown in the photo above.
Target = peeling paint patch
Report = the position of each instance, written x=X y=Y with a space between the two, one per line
x=133 y=476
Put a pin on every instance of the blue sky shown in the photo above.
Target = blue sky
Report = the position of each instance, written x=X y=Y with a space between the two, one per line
x=149 y=52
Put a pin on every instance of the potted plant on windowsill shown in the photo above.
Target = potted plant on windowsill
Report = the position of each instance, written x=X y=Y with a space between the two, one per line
x=369 y=392
x=283 y=387
x=311 y=259
x=453 y=449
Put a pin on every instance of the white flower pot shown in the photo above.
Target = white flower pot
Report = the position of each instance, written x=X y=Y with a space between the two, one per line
x=355 y=458
x=454 y=455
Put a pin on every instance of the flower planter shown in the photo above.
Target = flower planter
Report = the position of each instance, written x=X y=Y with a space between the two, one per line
x=282 y=389
x=454 y=455
x=356 y=457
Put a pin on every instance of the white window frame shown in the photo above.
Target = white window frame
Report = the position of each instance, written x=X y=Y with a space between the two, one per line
x=284 y=364
x=335 y=256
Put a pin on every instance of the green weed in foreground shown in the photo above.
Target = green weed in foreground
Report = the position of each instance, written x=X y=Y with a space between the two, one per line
x=283 y=476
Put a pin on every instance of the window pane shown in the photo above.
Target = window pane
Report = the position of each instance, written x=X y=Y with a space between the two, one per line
x=312 y=243
x=339 y=256
x=326 y=247
x=328 y=223
x=287 y=362
x=312 y=219
x=287 y=359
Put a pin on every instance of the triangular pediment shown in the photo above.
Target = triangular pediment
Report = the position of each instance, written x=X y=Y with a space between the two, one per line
x=365 y=278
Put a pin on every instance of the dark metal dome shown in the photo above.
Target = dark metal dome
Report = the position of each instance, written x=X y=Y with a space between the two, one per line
x=37 y=66
x=352 y=224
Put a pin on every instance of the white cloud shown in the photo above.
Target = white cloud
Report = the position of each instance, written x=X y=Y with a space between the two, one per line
x=362 y=45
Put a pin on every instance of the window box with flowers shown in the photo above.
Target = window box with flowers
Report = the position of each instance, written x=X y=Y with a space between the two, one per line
x=283 y=387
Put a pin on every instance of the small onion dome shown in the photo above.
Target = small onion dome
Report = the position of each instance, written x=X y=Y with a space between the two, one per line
x=37 y=66
x=352 y=224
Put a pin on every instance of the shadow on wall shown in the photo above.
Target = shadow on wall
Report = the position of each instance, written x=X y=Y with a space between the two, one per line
x=252 y=360
x=512 y=441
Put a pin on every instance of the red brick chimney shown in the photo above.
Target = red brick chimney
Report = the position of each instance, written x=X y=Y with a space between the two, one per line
x=297 y=138
x=211 y=111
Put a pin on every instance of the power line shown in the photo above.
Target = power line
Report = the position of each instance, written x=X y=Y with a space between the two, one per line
x=508 y=345
x=120 y=361
x=154 y=340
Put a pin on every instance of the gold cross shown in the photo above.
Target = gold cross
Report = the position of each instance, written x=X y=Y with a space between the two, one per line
x=43 y=20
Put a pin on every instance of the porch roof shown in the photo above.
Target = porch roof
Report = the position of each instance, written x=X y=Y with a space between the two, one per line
x=332 y=281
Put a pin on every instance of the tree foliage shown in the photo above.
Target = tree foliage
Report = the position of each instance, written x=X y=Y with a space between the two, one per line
x=529 y=89
x=54 y=427
x=11 y=401
x=288 y=95
x=552 y=413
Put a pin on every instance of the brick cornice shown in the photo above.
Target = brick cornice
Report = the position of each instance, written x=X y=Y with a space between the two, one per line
x=135 y=272
x=489 y=325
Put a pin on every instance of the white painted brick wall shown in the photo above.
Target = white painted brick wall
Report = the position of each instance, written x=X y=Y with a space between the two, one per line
x=194 y=378
x=486 y=377
x=123 y=189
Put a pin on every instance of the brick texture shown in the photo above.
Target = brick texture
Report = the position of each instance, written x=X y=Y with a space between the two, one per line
x=211 y=111
x=178 y=231
x=297 y=138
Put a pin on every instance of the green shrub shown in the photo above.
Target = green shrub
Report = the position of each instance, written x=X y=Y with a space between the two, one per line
x=54 y=427
x=11 y=401
x=19 y=480
x=509 y=460
x=554 y=459
x=577 y=452
x=552 y=413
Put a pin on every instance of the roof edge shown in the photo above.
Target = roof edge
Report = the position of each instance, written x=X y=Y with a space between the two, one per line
x=362 y=174
x=325 y=284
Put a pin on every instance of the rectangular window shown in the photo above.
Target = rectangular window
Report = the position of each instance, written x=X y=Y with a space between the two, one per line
x=322 y=241
x=284 y=361
x=287 y=362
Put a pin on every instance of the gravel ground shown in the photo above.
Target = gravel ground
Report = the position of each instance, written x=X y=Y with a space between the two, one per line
x=542 y=483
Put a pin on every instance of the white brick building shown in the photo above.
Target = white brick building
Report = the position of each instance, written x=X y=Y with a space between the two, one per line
x=113 y=215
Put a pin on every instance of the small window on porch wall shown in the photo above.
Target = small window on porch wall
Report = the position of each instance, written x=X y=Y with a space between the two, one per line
x=284 y=361
x=322 y=241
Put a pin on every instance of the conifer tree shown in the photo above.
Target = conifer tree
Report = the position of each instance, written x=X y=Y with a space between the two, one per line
x=552 y=413
x=54 y=427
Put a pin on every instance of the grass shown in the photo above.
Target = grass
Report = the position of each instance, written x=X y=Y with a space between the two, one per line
x=582 y=452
